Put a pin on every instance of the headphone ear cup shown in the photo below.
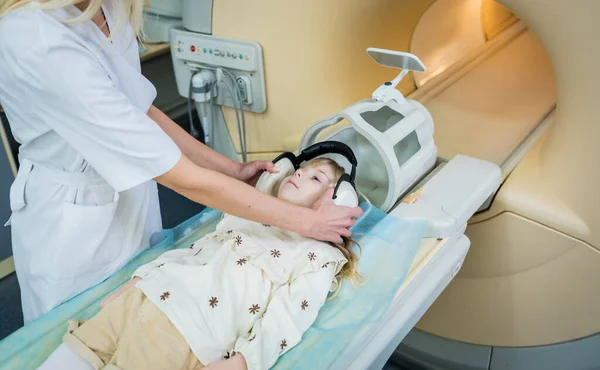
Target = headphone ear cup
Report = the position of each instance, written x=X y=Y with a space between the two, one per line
x=268 y=182
x=345 y=194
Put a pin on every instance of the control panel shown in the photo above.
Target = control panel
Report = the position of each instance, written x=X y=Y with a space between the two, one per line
x=243 y=59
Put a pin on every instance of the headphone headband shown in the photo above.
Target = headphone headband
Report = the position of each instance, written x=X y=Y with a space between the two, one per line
x=326 y=147
x=345 y=190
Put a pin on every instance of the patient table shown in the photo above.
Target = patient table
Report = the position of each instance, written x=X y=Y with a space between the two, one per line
x=399 y=173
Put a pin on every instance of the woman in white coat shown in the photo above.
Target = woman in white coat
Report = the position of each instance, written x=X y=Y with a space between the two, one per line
x=85 y=199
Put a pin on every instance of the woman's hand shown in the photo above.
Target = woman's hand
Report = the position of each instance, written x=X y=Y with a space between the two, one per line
x=251 y=171
x=330 y=221
x=120 y=291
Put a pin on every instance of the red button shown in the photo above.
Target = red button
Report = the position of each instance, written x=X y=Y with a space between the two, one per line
x=192 y=48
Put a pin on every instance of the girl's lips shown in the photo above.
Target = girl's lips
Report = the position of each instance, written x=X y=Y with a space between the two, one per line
x=293 y=183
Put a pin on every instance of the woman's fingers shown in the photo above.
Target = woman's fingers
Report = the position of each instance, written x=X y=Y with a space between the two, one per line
x=265 y=166
x=345 y=232
x=332 y=221
x=270 y=167
x=356 y=212
x=350 y=222
x=336 y=238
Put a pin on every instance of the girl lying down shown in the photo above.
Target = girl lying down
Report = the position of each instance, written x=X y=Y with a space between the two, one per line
x=236 y=299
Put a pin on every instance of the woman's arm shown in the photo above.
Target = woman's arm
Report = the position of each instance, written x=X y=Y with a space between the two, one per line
x=328 y=222
x=197 y=152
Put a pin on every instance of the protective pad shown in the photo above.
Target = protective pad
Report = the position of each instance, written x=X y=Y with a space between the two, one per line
x=388 y=248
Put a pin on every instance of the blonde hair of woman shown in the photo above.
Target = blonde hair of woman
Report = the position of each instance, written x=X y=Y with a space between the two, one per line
x=128 y=10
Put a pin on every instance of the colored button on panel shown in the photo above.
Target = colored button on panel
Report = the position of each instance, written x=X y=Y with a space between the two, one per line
x=192 y=48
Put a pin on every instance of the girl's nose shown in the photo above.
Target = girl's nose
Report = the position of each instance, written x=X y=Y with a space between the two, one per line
x=298 y=173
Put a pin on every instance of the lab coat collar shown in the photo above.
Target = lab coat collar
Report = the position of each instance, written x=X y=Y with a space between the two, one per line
x=86 y=29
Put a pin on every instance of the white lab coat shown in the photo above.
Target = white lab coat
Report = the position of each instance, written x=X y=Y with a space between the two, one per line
x=83 y=202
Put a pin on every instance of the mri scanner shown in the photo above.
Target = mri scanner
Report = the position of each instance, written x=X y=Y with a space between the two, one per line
x=494 y=147
x=511 y=89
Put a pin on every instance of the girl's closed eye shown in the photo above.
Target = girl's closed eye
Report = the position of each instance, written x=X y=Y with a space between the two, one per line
x=316 y=179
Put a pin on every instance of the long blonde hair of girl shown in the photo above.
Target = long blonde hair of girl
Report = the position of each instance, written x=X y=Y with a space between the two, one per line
x=128 y=10
x=349 y=271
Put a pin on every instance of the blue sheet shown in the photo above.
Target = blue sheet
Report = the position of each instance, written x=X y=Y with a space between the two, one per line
x=388 y=248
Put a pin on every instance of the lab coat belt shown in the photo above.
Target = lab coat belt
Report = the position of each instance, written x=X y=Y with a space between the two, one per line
x=17 y=190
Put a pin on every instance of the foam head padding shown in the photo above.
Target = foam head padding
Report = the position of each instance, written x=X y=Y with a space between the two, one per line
x=268 y=183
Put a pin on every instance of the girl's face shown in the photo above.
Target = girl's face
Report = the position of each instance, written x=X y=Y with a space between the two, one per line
x=307 y=184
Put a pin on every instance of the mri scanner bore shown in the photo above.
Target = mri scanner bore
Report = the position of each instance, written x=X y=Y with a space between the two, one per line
x=492 y=146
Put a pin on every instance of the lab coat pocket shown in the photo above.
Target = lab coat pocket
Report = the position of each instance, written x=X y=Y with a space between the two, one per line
x=91 y=195
x=88 y=237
